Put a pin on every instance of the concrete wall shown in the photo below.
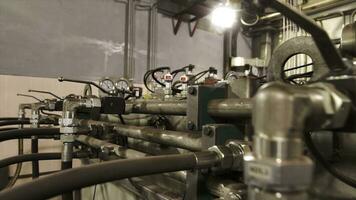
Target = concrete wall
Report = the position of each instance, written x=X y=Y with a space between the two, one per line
x=84 y=39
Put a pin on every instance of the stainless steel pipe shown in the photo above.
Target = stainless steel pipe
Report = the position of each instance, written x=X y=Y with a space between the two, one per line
x=217 y=108
x=157 y=107
x=129 y=153
x=230 y=107
x=311 y=8
x=185 y=140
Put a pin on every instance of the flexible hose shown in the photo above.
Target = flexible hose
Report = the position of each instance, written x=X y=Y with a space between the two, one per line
x=37 y=156
x=35 y=164
x=11 y=118
x=77 y=178
x=27 y=133
x=319 y=157
x=7 y=129
x=18 y=166
x=66 y=166
x=20 y=122
x=14 y=122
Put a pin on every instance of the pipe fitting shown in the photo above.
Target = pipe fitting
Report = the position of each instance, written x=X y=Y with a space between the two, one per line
x=68 y=122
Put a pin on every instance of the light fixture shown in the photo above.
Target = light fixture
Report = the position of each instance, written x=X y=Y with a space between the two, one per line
x=223 y=16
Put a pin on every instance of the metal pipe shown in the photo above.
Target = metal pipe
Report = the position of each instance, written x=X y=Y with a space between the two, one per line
x=230 y=108
x=157 y=107
x=309 y=9
x=185 y=140
x=152 y=37
x=140 y=149
x=281 y=113
x=129 y=60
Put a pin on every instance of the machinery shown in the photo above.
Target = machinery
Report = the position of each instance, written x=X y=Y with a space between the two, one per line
x=264 y=131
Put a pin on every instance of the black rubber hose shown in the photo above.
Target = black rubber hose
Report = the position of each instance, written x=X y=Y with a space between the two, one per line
x=35 y=164
x=14 y=122
x=20 y=122
x=11 y=118
x=319 y=157
x=7 y=129
x=17 y=173
x=71 y=179
x=153 y=74
x=37 y=156
x=27 y=133
x=66 y=166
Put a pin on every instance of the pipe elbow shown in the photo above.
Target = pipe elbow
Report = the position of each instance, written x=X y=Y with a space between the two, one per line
x=280 y=110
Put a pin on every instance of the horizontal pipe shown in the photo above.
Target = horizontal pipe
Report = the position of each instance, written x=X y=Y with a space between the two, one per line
x=230 y=108
x=27 y=133
x=34 y=157
x=185 y=140
x=310 y=9
x=131 y=153
x=14 y=122
x=157 y=107
x=80 y=177
x=11 y=118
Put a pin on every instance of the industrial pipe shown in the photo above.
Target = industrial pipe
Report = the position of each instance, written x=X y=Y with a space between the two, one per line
x=11 y=118
x=185 y=140
x=131 y=153
x=31 y=157
x=157 y=107
x=77 y=178
x=14 y=122
x=281 y=113
x=27 y=133
x=230 y=108
x=311 y=8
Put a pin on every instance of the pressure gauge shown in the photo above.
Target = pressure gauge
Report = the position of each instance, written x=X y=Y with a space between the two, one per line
x=108 y=85
x=122 y=85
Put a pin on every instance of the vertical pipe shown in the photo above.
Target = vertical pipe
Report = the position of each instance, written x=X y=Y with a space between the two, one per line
x=226 y=52
x=35 y=164
x=234 y=37
x=67 y=160
x=34 y=143
x=129 y=60
x=152 y=37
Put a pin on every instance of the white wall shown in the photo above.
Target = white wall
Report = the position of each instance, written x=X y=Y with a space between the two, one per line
x=9 y=101
x=84 y=39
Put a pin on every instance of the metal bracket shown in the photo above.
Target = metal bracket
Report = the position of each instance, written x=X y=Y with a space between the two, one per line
x=192 y=30
x=176 y=26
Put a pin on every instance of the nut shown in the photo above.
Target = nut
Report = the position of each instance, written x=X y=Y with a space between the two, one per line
x=296 y=173
x=239 y=150
x=225 y=156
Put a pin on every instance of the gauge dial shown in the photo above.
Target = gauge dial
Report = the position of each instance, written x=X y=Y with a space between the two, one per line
x=107 y=84
x=122 y=84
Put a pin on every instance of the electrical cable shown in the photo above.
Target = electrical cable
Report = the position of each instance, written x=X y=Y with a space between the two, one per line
x=200 y=74
x=122 y=119
x=319 y=157
x=145 y=77
x=85 y=176
x=160 y=69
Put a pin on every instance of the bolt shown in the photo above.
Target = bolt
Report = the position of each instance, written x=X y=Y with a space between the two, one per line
x=191 y=125
x=208 y=131
x=191 y=90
